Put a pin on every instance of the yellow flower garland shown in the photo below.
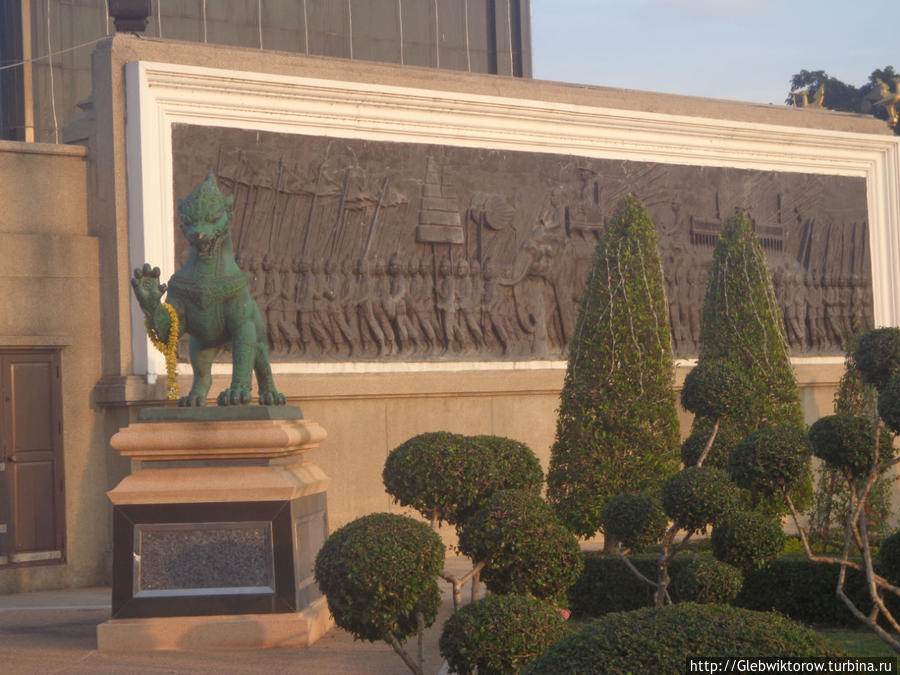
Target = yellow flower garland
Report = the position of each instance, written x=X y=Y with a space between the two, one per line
x=168 y=350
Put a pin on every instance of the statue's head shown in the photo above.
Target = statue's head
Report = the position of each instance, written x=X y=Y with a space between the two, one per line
x=205 y=216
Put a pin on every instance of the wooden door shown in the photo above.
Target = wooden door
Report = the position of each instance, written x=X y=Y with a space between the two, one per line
x=31 y=482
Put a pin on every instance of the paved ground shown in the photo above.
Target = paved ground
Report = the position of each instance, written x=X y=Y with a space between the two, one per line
x=56 y=632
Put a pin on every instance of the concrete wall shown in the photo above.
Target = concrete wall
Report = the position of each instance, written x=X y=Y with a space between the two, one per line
x=49 y=285
x=366 y=412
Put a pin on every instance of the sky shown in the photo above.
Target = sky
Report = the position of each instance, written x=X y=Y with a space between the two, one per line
x=744 y=50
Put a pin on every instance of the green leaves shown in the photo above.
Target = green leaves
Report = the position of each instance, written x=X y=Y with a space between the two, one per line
x=524 y=547
x=500 y=634
x=617 y=429
x=378 y=572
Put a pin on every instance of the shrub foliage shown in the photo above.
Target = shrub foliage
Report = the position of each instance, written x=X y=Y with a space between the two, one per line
x=660 y=639
x=771 y=461
x=377 y=572
x=847 y=442
x=635 y=519
x=447 y=476
x=499 y=634
x=743 y=327
x=617 y=429
x=877 y=355
x=698 y=496
x=747 y=540
x=524 y=547
x=607 y=585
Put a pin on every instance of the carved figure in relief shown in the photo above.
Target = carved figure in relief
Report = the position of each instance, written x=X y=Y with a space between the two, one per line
x=336 y=297
x=814 y=312
x=831 y=310
x=319 y=306
x=397 y=306
x=418 y=310
x=312 y=331
x=426 y=309
x=496 y=322
x=364 y=301
x=794 y=303
x=382 y=300
x=282 y=311
x=468 y=302
x=210 y=298
x=447 y=305
x=270 y=305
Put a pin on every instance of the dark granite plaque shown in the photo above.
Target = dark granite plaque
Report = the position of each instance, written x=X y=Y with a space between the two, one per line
x=363 y=250
x=203 y=557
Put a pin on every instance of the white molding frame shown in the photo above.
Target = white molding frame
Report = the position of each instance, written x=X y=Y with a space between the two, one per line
x=159 y=95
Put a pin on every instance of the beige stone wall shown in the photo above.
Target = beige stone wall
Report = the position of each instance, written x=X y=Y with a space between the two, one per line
x=58 y=255
x=49 y=285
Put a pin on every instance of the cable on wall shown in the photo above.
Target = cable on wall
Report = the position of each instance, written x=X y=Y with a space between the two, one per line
x=468 y=56
x=400 y=18
x=203 y=9
x=305 y=28
x=259 y=21
x=52 y=88
x=158 y=19
x=106 y=25
x=350 y=25
x=437 y=35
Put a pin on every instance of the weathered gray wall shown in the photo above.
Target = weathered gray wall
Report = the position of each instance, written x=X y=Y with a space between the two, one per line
x=49 y=285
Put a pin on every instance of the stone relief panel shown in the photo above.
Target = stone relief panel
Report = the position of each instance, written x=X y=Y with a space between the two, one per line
x=370 y=250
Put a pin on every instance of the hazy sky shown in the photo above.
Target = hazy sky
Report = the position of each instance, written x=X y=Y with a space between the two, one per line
x=746 y=50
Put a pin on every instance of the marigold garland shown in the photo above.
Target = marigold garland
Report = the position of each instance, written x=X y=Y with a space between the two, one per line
x=168 y=350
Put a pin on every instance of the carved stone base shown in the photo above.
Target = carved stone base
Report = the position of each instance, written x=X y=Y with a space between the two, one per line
x=248 y=631
x=217 y=526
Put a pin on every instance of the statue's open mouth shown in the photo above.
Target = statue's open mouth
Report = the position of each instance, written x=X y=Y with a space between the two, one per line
x=204 y=246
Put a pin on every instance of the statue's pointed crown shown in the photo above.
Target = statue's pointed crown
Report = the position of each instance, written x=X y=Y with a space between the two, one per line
x=206 y=202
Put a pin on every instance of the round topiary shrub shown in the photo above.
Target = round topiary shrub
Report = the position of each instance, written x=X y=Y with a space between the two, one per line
x=378 y=572
x=747 y=540
x=705 y=581
x=500 y=634
x=524 y=547
x=506 y=464
x=635 y=519
x=770 y=461
x=431 y=473
x=877 y=355
x=698 y=496
x=887 y=563
x=447 y=476
x=694 y=445
x=889 y=404
x=660 y=639
x=713 y=389
x=847 y=442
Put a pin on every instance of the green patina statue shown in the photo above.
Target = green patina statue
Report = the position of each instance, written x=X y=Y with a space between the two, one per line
x=208 y=298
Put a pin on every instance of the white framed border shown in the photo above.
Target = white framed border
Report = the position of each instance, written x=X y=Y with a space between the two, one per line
x=159 y=95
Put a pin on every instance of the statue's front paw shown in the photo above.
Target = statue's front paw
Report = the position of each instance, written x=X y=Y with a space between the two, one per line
x=235 y=396
x=147 y=288
x=192 y=400
x=271 y=398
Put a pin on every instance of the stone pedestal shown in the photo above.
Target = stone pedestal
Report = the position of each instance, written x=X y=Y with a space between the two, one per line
x=216 y=530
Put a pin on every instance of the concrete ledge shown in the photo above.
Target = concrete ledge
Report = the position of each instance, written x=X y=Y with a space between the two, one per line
x=194 y=633
x=220 y=484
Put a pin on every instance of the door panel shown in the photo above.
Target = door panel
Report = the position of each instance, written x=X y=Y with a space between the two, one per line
x=31 y=486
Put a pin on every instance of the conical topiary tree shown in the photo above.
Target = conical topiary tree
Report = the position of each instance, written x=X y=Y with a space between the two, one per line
x=743 y=327
x=617 y=429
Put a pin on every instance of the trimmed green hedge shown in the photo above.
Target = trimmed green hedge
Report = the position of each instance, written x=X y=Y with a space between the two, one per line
x=607 y=585
x=805 y=591
x=617 y=429
x=377 y=572
x=635 y=519
x=747 y=540
x=500 y=634
x=523 y=545
x=448 y=476
x=659 y=639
